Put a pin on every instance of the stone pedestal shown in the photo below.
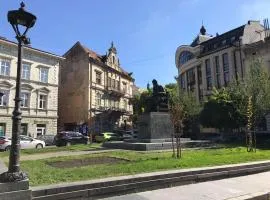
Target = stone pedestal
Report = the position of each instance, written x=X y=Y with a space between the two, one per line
x=15 y=191
x=155 y=127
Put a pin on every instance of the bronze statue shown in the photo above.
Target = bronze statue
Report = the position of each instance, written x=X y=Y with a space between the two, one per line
x=158 y=102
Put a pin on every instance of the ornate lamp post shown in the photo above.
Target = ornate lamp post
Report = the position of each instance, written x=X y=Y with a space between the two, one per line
x=24 y=19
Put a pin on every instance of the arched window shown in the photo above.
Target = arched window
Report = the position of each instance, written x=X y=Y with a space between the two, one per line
x=185 y=56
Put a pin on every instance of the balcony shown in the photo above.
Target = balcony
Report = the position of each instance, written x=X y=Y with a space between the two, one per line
x=110 y=109
x=115 y=91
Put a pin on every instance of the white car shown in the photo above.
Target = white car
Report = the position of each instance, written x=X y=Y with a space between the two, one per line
x=25 y=142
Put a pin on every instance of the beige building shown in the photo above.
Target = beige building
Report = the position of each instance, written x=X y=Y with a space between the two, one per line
x=94 y=91
x=214 y=61
x=39 y=89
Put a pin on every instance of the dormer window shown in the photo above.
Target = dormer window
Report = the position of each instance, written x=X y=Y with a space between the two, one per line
x=113 y=59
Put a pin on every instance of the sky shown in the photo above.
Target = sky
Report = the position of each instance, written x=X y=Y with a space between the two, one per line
x=146 y=33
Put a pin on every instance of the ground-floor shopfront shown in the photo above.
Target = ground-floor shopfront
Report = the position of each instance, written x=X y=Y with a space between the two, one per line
x=31 y=126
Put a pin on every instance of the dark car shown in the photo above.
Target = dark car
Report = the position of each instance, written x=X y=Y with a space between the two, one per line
x=67 y=138
x=48 y=139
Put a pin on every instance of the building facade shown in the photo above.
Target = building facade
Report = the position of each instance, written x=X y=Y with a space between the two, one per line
x=39 y=89
x=95 y=91
x=214 y=61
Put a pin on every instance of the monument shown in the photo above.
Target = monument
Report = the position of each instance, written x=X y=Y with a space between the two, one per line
x=155 y=125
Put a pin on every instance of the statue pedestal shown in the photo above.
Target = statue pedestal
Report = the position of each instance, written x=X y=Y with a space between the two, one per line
x=155 y=127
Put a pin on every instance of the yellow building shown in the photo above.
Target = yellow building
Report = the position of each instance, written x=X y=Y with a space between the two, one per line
x=94 y=91
x=39 y=89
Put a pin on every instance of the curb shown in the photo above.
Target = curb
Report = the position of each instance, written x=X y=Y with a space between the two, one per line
x=143 y=182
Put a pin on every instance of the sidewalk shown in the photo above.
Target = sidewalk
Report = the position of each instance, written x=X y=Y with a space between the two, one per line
x=228 y=189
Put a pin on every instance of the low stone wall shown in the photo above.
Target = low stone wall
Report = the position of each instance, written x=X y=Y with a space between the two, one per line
x=142 y=182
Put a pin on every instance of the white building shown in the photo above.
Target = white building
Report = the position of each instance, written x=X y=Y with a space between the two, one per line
x=39 y=89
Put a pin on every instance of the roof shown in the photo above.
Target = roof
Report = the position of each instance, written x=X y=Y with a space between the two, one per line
x=239 y=31
x=100 y=58
x=199 y=39
x=31 y=48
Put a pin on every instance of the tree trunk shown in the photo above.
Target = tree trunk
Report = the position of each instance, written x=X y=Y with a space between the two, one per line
x=173 y=155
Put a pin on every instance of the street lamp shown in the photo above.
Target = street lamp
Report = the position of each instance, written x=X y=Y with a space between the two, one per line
x=17 y=18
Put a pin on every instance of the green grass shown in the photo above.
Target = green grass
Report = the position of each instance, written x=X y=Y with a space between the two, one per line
x=79 y=147
x=41 y=173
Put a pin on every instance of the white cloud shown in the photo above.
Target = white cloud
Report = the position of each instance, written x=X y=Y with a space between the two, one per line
x=256 y=10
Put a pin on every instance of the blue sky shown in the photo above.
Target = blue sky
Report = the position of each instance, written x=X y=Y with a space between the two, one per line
x=146 y=33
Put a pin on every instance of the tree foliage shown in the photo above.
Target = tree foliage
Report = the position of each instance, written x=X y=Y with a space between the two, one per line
x=227 y=107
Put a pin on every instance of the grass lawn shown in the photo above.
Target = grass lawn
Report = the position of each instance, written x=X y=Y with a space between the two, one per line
x=78 y=147
x=138 y=162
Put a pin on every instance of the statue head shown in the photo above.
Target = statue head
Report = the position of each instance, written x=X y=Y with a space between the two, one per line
x=154 y=81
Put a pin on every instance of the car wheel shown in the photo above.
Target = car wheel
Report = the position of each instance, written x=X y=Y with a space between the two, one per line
x=7 y=148
x=39 y=146
x=68 y=144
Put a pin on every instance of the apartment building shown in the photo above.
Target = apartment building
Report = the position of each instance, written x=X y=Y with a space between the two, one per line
x=95 y=91
x=213 y=61
x=39 y=89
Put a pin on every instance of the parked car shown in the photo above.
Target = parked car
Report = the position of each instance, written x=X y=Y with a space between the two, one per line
x=25 y=143
x=129 y=134
x=48 y=139
x=5 y=143
x=67 y=138
x=107 y=136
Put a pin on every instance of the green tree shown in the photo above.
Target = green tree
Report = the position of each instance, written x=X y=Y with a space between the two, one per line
x=183 y=107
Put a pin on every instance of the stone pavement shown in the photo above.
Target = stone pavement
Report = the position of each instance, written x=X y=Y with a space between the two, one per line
x=212 y=190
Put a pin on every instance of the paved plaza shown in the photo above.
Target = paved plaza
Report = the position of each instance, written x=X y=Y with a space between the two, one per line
x=212 y=190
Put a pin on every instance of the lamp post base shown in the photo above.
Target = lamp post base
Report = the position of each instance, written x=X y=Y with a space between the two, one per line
x=13 y=177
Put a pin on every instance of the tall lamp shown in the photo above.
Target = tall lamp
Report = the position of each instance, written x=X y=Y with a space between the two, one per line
x=17 y=18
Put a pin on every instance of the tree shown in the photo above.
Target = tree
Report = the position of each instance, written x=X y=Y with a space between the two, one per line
x=242 y=103
x=220 y=111
x=182 y=106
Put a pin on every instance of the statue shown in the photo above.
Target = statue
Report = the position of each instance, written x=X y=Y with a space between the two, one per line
x=158 y=102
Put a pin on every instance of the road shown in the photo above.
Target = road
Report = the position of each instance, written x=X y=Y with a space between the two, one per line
x=212 y=190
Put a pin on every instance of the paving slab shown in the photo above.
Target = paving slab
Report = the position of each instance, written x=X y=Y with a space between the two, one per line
x=221 y=189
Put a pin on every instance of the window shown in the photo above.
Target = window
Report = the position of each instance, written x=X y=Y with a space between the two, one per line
x=42 y=101
x=208 y=74
x=125 y=104
x=125 y=87
x=43 y=76
x=24 y=129
x=26 y=71
x=191 y=79
x=185 y=56
x=217 y=67
x=98 y=99
x=98 y=77
x=199 y=75
x=2 y=129
x=41 y=129
x=225 y=68
x=5 y=67
x=113 y=83
x=109 y=82
x=183 y=81
x=25 y=99
x=117 y=85
x=4 y=97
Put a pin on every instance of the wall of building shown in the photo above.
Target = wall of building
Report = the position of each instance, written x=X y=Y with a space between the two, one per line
x=73 y=87
x=31 y=114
